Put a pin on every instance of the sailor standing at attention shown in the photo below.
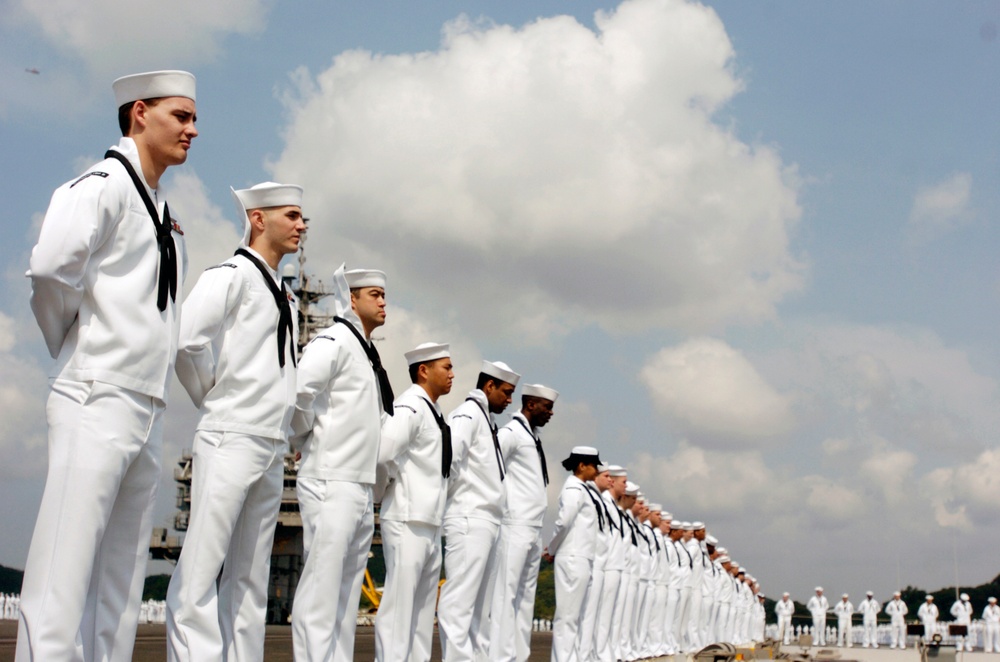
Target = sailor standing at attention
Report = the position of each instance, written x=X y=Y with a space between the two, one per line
x=604 y=642
x=520 y=551
x=783 y=609
x=991 y=622
x=415 y=457
x=343 y=396
x=105 y=278
x=962 y=611
x=572 y=546
x=870 y=609
x=587 y=646
x=897 y=611
x=236 y=359
x=818 y=605
x=844 y=611
x=472 y=515
x=928 y=615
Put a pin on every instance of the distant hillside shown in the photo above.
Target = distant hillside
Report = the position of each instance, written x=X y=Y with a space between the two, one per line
x=10 y=579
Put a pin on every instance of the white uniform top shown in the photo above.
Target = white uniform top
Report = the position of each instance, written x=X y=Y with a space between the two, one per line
x=475 y=488
x=784 y=607
x=523 y=484
x=604 y=539
x=94 y=282
x=665 y=560
x=634 y=558
x=818 y=605
x=961 y=611
x=411 y=454
x=339 y=409
x=721 y=579
x=682 y=571
x=897 y=609
x=843 y=610
x=697 y=566
x=927 y=612
x=708 y=582
x=228 y=355
x=991 y=614
x=575 y=532
x=870 y=609
x=619 y=537
x=650 y=554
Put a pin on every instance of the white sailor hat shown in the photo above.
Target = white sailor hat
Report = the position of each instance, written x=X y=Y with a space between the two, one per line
x=666 y=514
x=153 y=85
x=928 y=597
x=365 y=278
x=631 y=489
x=722 y=550
x=869 y=594
x=844 y=596
x=539 y=391
x=711 y=540
x=965 y=596
x=897 y=593
x=655 y=508
x=991 y=599
x=819 y=589
x=785 y=594
x=601 y=468
x=500 y=370
x=616 y=471
x=687 y=526
x=428 y=351
x=743 y=570
x=585 y=454
x=262 y=196
x=725 y=559
x=698 y=526
x=675 y=524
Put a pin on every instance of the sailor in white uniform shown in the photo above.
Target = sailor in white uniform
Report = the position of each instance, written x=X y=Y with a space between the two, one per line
x=897 y=611
x=604 y=642
x=928 y=615
x=818 y=605
x=343 y=396
x=961 y=612
x=991 y=632
x=870 y=609
x=587 y=648
x=632 y=576
x=844 y=611
x=783 y=609
x=472 y=515
x=106 y=275
x=236 y=360
x=415 y=459
x=572 y=546
x=520 y=551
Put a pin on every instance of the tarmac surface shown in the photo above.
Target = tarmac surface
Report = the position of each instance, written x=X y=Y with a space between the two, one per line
x=151 y=646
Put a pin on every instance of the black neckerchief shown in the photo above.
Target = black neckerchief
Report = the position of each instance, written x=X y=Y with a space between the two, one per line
x=445 y=439
x=690 y=558
x=638 y=529
x=595 y=498
x=652 y=533
x=493 y=431
x=384 y=387
x=167 y=281
x=607 y=512
x=538 y=447
x=285 y=328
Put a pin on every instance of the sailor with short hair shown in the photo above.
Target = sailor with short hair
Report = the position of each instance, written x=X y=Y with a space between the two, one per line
x=928 y=615
x=897 y=611
x=237 y=356
x=870 y=609
x=520 y=543
x=991 y=631
x=572 y=546
x=106 y=278
x=609 y=610
x=474 y=510
x=414 y=463
x=783 y=609
x=818 y=605
x=343 y=397
x=587 y=649
x=844 y=611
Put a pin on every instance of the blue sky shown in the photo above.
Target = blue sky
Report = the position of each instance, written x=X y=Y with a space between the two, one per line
x=750 y=243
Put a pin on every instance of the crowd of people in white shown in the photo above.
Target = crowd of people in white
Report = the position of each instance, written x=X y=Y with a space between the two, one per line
x=983 y=633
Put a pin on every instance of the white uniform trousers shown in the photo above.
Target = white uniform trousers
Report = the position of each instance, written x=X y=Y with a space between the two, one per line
x=694 y=620
x=604 y=649
x=657 y=636
x=404 y=624
x=819 y=628
x=470 y=571
x=627 y=648
x=236 y=490
x=588 y=624
x=681 y=616
x=706 y=633
x=870 y=628
x=785 y=629
x=518 y=559
x=844 y=632
x=617 y=634
x=337 y=526
x=647 y=594
x=897 y=633
x=572 y=575
x=87 y=562
x=991 y=637
x=723 y=634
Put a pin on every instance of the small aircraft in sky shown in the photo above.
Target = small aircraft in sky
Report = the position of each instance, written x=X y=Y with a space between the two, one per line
x=32 y=70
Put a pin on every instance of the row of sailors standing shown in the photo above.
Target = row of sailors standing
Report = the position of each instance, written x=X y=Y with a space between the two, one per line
x=633 y=583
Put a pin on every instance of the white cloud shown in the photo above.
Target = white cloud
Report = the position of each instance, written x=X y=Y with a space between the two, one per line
x=967 y=494
x=549 y=175
x=107 y=34
x=941 y=208
x=715 y=395
x=890 y=471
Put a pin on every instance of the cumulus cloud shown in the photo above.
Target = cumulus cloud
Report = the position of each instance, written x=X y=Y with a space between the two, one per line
x=548 y=176
x=941 y=208
x=23 y=390
x=967 y=494
x=105 y=34
x=715 y=395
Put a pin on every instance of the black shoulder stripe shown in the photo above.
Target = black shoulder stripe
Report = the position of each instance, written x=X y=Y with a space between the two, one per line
x=401 y=406
x=323 y=338
x=224 y=264
x=96 y=173
x=462 y=416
